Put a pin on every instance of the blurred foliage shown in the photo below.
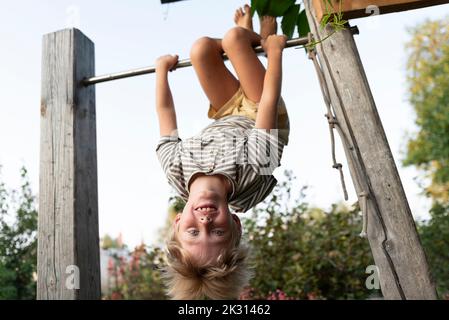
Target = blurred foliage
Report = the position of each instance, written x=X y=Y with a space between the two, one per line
x=18 y=241
x=428 y=81
x=428 y=149
x=107 y=242
x=306 y=253
x=139 y=277
x=435 y=240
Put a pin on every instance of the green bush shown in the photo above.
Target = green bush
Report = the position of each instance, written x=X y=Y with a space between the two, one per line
x=138 y=278
x=18 y=241
x=307 y=252
x=435 y=240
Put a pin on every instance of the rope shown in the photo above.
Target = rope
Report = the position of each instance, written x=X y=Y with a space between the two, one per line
x=331 y=118
x=360 y=176
x=334 y=124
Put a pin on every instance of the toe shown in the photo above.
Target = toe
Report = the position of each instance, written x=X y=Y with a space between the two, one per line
x=241 y=11
x=247 y=9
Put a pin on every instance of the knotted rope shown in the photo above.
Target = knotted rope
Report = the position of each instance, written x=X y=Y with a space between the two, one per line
x=334 y=124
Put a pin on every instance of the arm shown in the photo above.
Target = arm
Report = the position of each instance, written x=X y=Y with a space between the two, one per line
x=164 y=100
x=267 y=110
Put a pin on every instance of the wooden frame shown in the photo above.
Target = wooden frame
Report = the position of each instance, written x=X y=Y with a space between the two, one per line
x=391 y=231
x=358 y=8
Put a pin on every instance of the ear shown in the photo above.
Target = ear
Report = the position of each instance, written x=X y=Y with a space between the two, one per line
x=237 y=221
x=176 y=219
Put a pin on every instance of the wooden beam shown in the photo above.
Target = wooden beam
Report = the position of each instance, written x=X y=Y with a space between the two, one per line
x=68 y=237
x=358 y=8
x=392 y=235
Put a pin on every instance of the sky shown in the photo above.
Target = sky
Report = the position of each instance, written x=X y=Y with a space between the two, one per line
x=133 y=192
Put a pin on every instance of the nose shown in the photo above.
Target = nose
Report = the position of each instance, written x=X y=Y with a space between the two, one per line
x=205 y=219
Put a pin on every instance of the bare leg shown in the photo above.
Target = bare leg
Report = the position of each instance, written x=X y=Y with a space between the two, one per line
x=218 y=83
x=238 y=44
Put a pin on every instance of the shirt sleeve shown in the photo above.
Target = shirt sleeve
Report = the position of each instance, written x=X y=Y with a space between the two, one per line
x=168 y=154
x=264 y=150
x=166 y=151
x=253 y=196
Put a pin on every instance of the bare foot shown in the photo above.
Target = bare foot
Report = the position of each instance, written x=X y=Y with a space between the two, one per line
x=268 y=26
x=242 y=18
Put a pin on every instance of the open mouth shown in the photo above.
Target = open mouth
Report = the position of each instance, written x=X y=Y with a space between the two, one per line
x=206 y=208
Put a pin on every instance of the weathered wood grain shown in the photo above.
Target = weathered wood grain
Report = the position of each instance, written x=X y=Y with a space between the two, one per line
x=391 y=230
x=68 y=206
x=358 y=8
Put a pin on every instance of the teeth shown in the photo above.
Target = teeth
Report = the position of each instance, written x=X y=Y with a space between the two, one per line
x=205 y=208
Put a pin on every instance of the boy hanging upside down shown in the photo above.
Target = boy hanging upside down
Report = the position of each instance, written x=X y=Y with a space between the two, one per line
x=229 y=164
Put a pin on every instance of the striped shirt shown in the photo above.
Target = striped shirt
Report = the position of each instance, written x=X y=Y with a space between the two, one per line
x=230 y=146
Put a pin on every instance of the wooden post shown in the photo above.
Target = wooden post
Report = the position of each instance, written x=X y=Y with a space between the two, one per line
x=392 y=235
x=68 y=237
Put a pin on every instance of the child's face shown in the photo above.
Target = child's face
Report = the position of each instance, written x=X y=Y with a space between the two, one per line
x=204 y=227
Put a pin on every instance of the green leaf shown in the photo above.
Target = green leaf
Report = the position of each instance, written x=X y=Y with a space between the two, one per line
x=329 y=5
x=303 y=24
x=277 y=8
x=289 y=20
x=259 y=6
x=253 y=7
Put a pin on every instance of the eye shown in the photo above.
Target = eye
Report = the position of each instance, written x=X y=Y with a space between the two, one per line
x=219 y=232
x=193 y=232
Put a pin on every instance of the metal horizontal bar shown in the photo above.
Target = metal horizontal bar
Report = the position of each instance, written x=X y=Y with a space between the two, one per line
x=169 y=1
x=182 y=63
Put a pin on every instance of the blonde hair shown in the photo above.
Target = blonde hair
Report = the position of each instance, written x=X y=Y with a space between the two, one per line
x=188 y=278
